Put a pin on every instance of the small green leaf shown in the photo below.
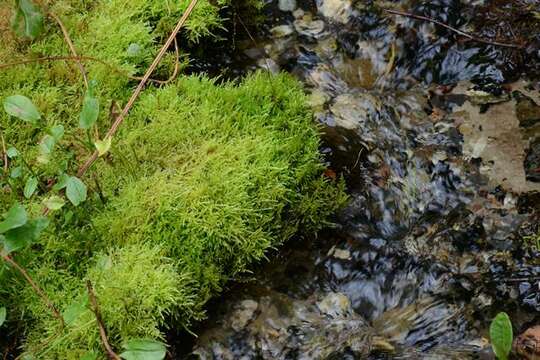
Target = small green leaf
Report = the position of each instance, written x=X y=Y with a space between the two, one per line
x=103 y=146
x=28 y=20
x=74 y=310
x=21 y=107
x=143 y=349
x=15 y=217
x=16 y=172
x=54 y=202
x=46 y=146
x=89 y=356
x=90 y=109
x=57 y=132
x=75 y=190
x=12 y=152
x=3 y=314
x=500 y=332
x=30 y=187
x=20 y=237
x=61 y=183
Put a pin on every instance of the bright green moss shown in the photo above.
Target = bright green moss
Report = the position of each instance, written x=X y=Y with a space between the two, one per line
x=202 y=180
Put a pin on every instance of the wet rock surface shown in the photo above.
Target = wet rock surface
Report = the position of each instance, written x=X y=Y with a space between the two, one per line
x=437 y=137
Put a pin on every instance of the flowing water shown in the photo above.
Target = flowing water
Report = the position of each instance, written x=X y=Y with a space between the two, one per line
x=436 y=136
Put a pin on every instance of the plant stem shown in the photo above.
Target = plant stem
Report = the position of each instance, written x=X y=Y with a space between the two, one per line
x=35 y=286
x=102 y=333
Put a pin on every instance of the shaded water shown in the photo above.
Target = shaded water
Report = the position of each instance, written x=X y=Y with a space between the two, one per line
x=437 y=139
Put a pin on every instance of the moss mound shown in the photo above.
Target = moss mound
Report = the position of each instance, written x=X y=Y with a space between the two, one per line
x=201 y=181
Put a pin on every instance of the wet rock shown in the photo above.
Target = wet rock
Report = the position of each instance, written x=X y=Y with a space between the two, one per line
x=282 y=31
x=527 y=110
x=269 y=65
x=527 y=345
x=339 y=11
x=298 y=13
x=287 y=5
x=494 y=136
x=244 y=313
x=310 y=28
x=351 y=111
x=334 y=305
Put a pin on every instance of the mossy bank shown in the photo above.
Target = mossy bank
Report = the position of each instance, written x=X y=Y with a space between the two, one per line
x=200 y=182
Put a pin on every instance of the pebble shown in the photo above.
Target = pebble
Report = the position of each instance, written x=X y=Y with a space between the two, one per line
x=282 y=31
x=334 y=304
x=336 y=10
x=244 y=313
x=287 y=5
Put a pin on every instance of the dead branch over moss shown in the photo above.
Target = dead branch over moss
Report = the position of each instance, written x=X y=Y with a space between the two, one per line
x=141 y=86
x=102 y=332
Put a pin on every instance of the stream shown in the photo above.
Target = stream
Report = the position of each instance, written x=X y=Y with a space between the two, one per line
x=436 y=136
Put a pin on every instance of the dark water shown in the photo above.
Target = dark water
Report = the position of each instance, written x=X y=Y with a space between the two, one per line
x=437 y=138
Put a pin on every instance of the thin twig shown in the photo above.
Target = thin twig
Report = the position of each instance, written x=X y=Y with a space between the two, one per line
x=67 y=38
x=84 y=58
x=141 y=85
x=531 y=278
x=102 y=333
x=35 y=286
x=457 y=31
x=267 y=56
x=4 y=152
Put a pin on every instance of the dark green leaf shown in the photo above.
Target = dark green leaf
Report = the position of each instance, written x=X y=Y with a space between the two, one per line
x=20 y=237
x=500 y=332
x=28 y=20
x=3 y=314
x=143 y=349
x=21 y=107
x=30 y=187
x=61 y=183
x=75 y=190
x=90 y=110
x=15 y=217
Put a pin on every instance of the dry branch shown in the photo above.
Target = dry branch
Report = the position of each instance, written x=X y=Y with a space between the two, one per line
x=35 y=286
x=102 y=333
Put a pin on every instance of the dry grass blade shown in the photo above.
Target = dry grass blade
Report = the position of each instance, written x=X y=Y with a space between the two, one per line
x=4 y=153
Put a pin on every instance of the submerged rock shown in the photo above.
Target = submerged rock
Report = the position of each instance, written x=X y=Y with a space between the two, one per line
x=339 y=11
x=287 y=5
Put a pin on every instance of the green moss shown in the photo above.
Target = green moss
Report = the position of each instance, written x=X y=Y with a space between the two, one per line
x=202 y=180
